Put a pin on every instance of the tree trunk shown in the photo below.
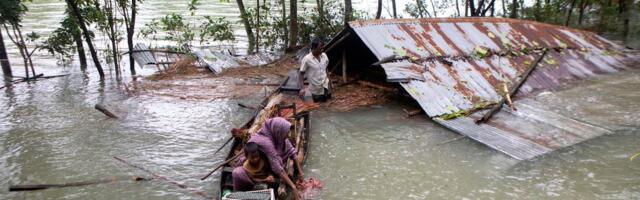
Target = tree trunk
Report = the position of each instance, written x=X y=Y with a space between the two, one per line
x=323 y=21
x=466 y=8
x=16 y=41
x=504 y=9
x=602 y=23
x=257 y=26
x=490 y=7
x=4 y=59
x=537 y=10
x=472 y=8
x=573 y=3
x=514 y=9
x=419 y=6
x=379 y=11
x=457 y=9
x=433 y=8
x=627 y=6
x=247 y=26
x=581 y=12
x=82 y=57
x=74 y=7
x=293 y=25
x=393 y=5
x=348 y=12
x=130 y=31
x=285 y=31
x=26 y=51
x=114 y=47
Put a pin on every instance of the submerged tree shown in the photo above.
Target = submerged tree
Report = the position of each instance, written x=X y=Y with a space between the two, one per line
x=183 y=31
x=11 y=13
x=63 y=40
x=111 y=23
x=129 y=10
x=4 y=59
x=75 y=10
x=293 y=25
x=244 y=16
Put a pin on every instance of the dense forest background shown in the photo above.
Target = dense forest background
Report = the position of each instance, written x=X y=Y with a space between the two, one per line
x=270 y=25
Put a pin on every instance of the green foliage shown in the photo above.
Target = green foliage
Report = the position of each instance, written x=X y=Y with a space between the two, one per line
x=183 y=32
x=216 y=29
x=12 y=11
x=193 y=6
x=311 y=25
x=61 y=40
x=427 y=10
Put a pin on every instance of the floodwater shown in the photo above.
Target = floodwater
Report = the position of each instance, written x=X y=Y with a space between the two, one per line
x=50 y=133
x=376 y=153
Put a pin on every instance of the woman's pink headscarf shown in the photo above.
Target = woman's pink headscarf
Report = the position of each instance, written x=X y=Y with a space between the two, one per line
x=277 y=129
x=273 y=141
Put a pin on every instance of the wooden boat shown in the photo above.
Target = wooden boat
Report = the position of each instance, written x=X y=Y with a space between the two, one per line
x=283 y=102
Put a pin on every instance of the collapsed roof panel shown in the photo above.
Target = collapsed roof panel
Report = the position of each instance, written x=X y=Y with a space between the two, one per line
x=460 y=62
x=455 y=65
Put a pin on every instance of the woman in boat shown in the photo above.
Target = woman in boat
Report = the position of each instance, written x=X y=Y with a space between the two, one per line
x=254 y=170
x=272 y=140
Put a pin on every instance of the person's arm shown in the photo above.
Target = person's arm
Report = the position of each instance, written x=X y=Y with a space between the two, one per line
x=294 y=189
x=301 y=83
x=268 y=179
x=299 y=166
x=293 y=156
x=272 y=156
x=301 y=73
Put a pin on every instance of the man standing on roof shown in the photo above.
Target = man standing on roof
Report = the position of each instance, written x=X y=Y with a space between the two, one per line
x=314 y=66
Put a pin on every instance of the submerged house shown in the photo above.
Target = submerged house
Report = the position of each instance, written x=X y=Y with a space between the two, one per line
x=454 y=66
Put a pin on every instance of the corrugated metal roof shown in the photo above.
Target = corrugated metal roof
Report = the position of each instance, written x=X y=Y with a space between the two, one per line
x=455 y=63
x=530 y=131
x=449 y=65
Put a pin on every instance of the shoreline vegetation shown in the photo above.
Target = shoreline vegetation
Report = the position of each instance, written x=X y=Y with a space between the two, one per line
x=269 y=26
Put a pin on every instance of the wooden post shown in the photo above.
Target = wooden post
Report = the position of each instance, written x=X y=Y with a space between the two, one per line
x=102 y=109
x=165 y=179
x=344 y=66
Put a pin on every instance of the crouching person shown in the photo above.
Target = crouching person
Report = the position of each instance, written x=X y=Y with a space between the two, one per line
x=254 y=170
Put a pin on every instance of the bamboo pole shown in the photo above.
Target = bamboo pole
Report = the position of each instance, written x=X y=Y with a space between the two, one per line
x=16 y=188
x=221 y=164
x=165 y=179
x=513 y=90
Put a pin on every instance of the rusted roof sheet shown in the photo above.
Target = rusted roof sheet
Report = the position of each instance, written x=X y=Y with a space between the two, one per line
x=453 y=64
x=530 y=131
